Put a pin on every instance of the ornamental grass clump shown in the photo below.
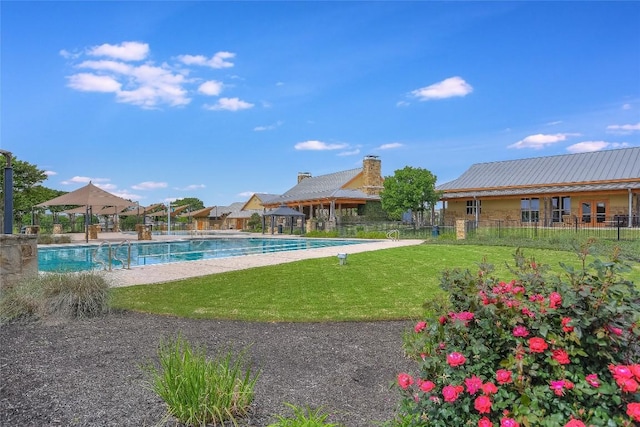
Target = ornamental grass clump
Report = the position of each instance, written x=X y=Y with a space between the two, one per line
x=306 y=417
x=199 y=391
x=538 y=350
x=56 y=295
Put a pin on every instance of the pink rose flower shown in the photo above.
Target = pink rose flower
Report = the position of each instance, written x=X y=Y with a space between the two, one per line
x=451 y=393
x=627 y=385
x=574 y=423
x=620 y=371
x=485 y=422
x=537 y=345
x=633 y=410
x=635 y=370
x=426 y=386
x=473 y=384
x=592 y=379
x=420 y=326
x=489 y=388
x=565 y=324
x=561 y=356
x=405 y=380
x=557 y=387
x=520 y=331
x=503 y=376
x=508 y=422
x=482 y=404
x=456 y=359
x=555 y=299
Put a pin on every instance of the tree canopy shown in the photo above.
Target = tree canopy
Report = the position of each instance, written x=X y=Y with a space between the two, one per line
x=193 y=202
x=27 y=188
x=409 y=189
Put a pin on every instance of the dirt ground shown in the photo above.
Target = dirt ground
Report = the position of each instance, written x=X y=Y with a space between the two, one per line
x=88 y=372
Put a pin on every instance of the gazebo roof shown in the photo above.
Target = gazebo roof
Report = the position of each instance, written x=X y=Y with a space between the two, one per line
x=89 y=195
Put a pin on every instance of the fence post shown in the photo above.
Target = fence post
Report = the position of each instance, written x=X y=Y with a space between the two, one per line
x=461 y=229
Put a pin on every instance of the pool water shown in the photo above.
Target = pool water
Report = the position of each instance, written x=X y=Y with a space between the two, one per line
x=92 y=257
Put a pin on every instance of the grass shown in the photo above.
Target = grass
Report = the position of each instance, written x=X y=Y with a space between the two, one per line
x=68 y=295
x=199 y=391
x=306 y=417
x=389 y=284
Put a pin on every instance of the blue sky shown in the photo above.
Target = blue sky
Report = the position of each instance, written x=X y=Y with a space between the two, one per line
x=155 y=101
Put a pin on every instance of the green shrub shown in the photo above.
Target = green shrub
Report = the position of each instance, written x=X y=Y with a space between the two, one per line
x=70 y=295
x=199 y=391
x=303 y=418
x=539 y=350
x=371 y=235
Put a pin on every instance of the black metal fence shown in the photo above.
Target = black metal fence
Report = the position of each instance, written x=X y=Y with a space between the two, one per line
x=611 y=228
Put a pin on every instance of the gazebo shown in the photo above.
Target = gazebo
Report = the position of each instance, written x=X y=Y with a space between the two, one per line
x=90 y=197
x=282 y=211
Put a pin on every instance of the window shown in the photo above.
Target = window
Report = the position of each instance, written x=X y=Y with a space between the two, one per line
x=530 y=210
x=472 y=205
x=560 y=206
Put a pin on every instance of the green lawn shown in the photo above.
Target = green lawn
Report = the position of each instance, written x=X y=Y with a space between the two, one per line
x=386 y=284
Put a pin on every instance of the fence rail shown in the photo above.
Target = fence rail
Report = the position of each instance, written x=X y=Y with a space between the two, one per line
x=612 y=228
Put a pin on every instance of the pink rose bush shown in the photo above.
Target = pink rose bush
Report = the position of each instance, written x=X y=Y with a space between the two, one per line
x=542 y=349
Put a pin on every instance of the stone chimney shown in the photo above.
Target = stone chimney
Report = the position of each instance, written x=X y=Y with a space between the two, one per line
x=372 y=175
x=303 y=175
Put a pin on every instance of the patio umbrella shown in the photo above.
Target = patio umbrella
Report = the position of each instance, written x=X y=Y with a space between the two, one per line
x=91 y=197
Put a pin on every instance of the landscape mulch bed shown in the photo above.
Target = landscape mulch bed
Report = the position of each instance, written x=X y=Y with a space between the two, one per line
x=88 y=372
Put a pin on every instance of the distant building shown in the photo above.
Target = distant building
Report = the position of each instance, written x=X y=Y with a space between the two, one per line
x=337 y=194
x=589 y=188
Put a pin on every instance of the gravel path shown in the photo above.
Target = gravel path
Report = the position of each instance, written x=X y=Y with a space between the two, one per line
x=87 y=373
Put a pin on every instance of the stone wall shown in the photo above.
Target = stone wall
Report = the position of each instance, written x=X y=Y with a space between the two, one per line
x=18 y=258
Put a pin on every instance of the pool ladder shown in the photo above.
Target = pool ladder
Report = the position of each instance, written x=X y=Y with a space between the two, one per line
x=393 y=234
x=112 y=252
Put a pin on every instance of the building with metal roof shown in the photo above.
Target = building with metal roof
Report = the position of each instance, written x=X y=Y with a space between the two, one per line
x=335 y=194
x=590 y=188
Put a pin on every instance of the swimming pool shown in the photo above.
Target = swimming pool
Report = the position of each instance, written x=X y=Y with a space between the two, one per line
x=93 y=257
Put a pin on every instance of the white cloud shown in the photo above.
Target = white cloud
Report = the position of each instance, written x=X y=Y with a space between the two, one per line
x=402 y=104
x=540 y=140
x=318 y=146
x=50 y=173
x=149 y=185
x=107 y=65
x=211 y=88
x=349 y=153
x=126 y=51
x=145 y=84
x=216 y=61
x=453 y=86
x=390 y=146
x=588 y=146
x=557 y=122
x=105 y=187
x=229 y=104
x=84 y=180
x=69 y=55
x=87 y=82
x=193 y=187
x=246 y=194
x=626 y=107
x=127 y=195
x=623 y=129
x=268 y=127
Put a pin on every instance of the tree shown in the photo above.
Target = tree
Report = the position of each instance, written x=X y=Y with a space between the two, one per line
x=193 y=203
x=409 y=189
x=27 y=191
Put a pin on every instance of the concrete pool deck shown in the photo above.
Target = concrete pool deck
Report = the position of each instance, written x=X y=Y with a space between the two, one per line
x=159 y=273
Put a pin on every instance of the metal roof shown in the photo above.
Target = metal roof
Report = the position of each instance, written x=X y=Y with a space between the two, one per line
x=593 y=167
x=324 y=186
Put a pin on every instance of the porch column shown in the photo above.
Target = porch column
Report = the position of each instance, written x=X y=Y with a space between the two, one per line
x=630 y=221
